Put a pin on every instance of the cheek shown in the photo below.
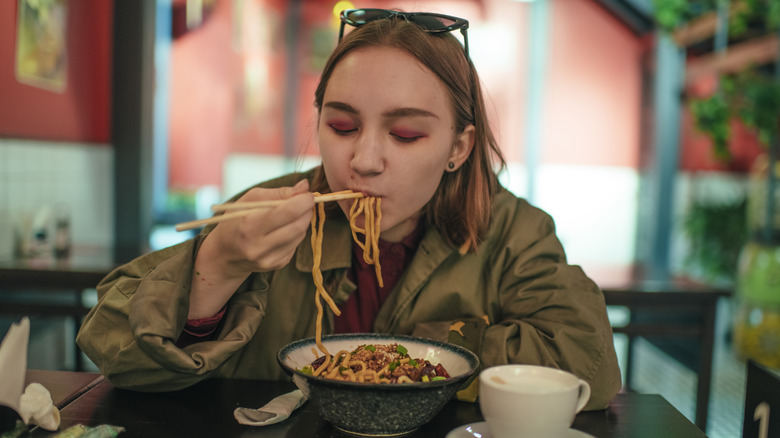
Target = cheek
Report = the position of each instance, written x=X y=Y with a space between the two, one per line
x=332 y=155
x=414 y=187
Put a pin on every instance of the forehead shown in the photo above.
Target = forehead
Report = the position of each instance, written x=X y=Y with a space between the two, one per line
x=383 y=77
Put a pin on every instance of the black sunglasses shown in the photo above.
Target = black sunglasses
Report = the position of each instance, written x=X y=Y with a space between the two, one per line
x=427 y=21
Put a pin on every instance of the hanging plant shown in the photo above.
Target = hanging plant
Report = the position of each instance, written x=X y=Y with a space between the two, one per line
x=756 y=98
x=750 y=97
x=670 y=15
x=754 y=11
x=711 y=116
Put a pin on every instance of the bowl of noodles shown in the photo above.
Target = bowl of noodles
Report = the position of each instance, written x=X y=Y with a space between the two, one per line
x=375 y=384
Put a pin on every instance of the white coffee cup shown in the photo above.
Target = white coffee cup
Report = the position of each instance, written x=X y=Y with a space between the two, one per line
x=530 y=401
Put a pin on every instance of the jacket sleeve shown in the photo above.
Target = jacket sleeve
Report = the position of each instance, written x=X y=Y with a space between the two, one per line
x=141 y=311
x=541 y=311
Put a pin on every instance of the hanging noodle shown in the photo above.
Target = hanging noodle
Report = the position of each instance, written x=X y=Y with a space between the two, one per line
x=371 y=207
x=368 y=363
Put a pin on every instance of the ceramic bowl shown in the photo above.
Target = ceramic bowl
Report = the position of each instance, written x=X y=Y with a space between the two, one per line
x=379 y=409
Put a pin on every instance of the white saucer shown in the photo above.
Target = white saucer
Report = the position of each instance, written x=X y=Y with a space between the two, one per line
x=481 y=430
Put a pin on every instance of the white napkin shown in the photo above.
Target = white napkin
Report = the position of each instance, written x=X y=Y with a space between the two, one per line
x=278 y=409
x=35 y=405
x=13 y=363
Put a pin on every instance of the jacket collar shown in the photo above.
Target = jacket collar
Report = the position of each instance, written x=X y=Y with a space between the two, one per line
x=431 y=253
x=336 y=246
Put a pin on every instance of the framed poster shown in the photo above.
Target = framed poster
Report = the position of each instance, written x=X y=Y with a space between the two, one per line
x=41 y=53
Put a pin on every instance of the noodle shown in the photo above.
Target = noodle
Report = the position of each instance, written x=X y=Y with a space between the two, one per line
x=372 y=212
x=378 y=363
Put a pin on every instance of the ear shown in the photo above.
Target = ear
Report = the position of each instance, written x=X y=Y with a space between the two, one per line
x=461 y=149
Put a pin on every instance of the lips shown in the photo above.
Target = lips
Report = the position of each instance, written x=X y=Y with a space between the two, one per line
x=365 y=192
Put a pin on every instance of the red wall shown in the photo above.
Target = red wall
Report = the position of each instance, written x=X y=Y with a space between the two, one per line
x=82 y=111
x=227 y=90
x=592 y=102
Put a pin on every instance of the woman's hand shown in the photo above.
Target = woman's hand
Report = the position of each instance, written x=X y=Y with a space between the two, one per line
x=263 y=240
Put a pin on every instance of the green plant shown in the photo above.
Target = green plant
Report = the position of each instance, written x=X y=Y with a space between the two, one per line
x=756 y=99
x=748 y=96
x=711 y=116
x=716 y=234
x=670 y=15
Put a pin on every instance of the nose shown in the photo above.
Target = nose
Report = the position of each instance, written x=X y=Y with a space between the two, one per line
x=368 y=154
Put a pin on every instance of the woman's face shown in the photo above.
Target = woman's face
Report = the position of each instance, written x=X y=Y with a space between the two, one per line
x=386 y=129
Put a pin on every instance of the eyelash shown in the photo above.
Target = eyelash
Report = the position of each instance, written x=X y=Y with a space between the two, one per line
x=401 y=138
x=339 y=131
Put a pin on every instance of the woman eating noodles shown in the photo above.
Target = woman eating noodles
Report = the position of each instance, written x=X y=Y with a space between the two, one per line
x=437 y=247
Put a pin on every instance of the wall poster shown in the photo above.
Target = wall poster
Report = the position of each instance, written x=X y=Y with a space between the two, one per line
x=41 y=53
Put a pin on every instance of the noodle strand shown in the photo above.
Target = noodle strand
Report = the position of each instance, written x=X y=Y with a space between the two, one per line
x=370 y=207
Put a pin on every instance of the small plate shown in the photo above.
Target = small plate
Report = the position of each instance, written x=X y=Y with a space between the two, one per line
x=481 y=430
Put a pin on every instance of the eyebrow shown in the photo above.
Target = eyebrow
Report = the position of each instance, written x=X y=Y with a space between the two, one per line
x=393 y=113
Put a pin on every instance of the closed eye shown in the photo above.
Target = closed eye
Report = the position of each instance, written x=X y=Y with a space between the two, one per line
x=407 y=136
x=342 y=128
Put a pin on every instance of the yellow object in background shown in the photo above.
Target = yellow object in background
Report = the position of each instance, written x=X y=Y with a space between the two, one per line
x=757 y=314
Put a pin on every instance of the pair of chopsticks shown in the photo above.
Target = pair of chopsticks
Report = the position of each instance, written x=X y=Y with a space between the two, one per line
x=239 y=209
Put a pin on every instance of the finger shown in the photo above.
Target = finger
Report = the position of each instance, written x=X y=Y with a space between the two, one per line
x=301 y=186
x=274 y=246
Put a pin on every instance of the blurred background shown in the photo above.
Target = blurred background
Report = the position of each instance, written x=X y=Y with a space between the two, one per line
x=637 y=124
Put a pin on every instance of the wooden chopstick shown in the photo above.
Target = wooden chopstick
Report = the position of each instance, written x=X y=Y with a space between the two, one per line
x=239 y=209
x=336 y=196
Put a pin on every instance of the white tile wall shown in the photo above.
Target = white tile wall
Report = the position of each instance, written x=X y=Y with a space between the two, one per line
x=38 y=178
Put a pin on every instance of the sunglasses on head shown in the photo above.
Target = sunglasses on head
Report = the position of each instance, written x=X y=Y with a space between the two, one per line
x=427 y=21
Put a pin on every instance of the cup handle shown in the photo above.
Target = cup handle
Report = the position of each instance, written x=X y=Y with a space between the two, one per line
x=584 y=395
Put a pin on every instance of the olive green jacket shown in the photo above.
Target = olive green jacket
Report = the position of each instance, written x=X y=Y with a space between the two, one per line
x=516 y=300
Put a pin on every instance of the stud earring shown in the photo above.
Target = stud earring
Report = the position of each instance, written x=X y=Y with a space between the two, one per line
x=451 y=165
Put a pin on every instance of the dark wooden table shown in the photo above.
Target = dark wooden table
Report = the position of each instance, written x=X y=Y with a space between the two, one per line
x=206 y=410
x=82 y=269
x=53 y=287
x=64 y=386
x=672 y=309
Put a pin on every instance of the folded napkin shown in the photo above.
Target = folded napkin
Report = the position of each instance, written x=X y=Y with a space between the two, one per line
x=13 y=363
x=37 y=407
x=34 y=405
x=278 y=409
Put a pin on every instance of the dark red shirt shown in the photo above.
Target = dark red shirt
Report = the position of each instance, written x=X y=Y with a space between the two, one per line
x=199 y=330
x=360 y=310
